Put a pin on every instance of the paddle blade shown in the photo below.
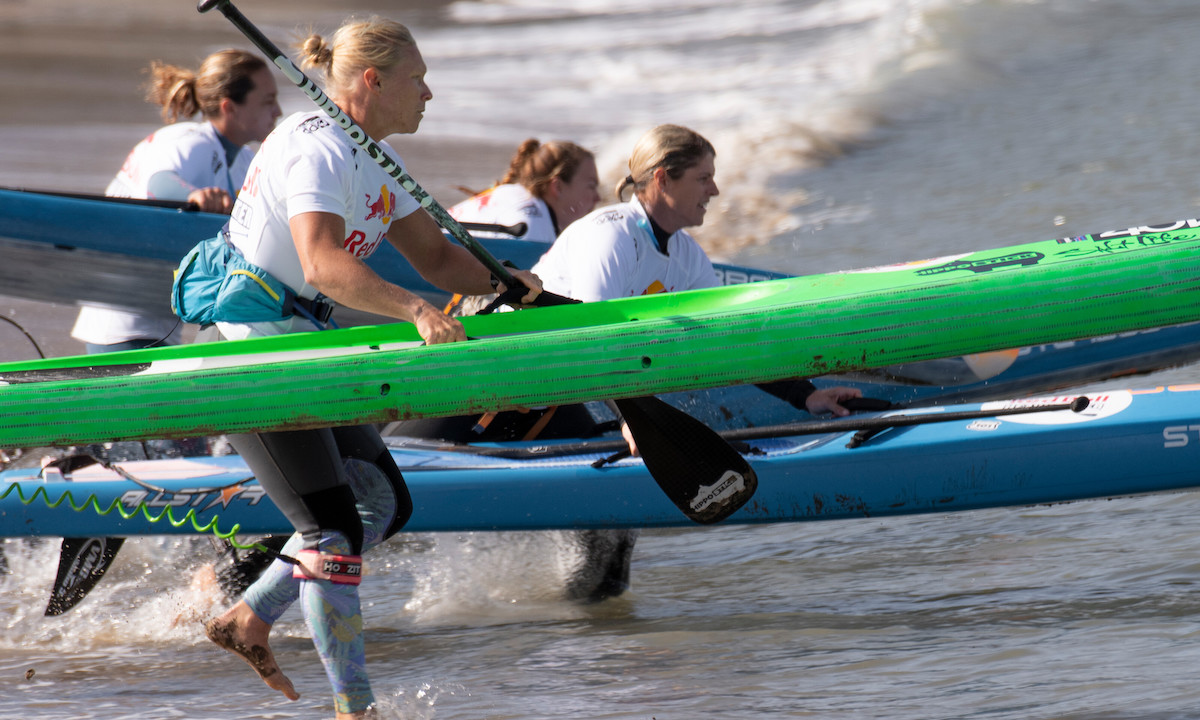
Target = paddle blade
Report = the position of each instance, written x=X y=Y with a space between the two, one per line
x=81 y=564
x=698 y=470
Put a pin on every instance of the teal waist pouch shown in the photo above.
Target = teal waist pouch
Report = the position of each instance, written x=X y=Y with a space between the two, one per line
x=214 y=283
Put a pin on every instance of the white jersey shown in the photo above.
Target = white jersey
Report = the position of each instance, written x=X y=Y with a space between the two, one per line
x=192 y=151
x=308 y=164
x=509 y=204
x=612 y=253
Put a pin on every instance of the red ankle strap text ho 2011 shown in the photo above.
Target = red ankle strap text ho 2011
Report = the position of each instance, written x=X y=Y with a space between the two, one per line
x=340 y=569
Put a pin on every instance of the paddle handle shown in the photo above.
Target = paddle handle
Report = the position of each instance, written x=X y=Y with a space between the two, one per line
x=360 y=137
x=515 y=230
x=185 y=205
x=885 y=422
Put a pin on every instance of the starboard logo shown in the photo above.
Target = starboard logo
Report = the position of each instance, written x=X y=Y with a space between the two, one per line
x=722 y=491
x=312 y=125
x=611 y=216
x=735 y=276
x=1019 y=259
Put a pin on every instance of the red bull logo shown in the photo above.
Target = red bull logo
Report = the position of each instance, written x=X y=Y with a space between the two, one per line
x=381 y=208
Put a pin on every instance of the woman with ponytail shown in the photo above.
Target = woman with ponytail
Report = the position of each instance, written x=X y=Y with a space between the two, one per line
x=641 y=246
x=202 y=161
x=548 y=186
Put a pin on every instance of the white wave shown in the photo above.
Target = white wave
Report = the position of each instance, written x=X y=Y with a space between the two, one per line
x=777 y=85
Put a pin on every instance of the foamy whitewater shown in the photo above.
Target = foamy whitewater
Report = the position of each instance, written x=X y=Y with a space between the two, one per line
x=992 y=94
x=777 y=86
x=849 y=133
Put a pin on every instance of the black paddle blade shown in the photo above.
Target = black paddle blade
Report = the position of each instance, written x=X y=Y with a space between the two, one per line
x=81 y=564
x=698 y=470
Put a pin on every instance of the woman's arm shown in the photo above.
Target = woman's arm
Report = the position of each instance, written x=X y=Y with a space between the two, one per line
x=446 y=265
x=347 y=280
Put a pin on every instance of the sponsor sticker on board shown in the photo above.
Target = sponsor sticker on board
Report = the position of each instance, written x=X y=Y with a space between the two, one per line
x=1103 y=404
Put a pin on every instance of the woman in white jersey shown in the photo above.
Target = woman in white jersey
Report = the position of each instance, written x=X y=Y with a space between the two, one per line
x=313 y=206
x=641 y=246
x=548 y=186
x=203 y=162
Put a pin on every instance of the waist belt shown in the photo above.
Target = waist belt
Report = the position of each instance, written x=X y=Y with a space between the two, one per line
x=319 y=307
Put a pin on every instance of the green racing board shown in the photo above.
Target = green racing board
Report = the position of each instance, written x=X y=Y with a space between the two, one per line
x=1027 y=294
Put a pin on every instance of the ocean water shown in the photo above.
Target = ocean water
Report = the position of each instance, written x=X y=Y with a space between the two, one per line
x=849 y=133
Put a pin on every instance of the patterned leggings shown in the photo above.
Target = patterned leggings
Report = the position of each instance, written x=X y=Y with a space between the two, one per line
x=332 y=611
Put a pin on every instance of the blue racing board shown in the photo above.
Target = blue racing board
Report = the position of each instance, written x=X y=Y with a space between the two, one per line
x=61 y=247
x=1125 y=442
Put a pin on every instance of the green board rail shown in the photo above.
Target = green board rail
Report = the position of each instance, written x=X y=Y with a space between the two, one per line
x=989 y=300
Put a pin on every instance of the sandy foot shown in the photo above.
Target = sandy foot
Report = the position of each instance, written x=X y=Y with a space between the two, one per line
x=240 y=632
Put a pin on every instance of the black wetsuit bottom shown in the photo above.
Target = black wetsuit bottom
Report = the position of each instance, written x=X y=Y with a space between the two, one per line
x=303 y=473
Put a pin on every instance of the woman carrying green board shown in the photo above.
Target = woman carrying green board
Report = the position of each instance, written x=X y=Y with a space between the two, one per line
x=642 y=247
x=311 y=209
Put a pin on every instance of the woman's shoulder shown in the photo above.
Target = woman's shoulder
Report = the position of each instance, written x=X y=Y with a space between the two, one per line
x=611 y=228
x=183 y=133
x=510 y=194
x=616 y=217
x=311 y=128
x=497 y=197
x=309 y=140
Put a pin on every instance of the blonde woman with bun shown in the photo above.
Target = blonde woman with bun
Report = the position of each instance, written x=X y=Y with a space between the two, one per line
x=311 y=210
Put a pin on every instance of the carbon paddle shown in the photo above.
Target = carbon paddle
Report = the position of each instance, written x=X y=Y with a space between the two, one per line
x=702 y=474
x=82 y=561
x=516 y=230
x=866 y=427
x=185 y=205
x=360 y=137
x=886 y=422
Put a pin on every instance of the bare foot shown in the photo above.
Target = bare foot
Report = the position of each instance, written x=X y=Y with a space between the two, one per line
x=240 y=631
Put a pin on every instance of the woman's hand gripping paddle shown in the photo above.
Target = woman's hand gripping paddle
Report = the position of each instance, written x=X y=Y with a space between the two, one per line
x=701 y=473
